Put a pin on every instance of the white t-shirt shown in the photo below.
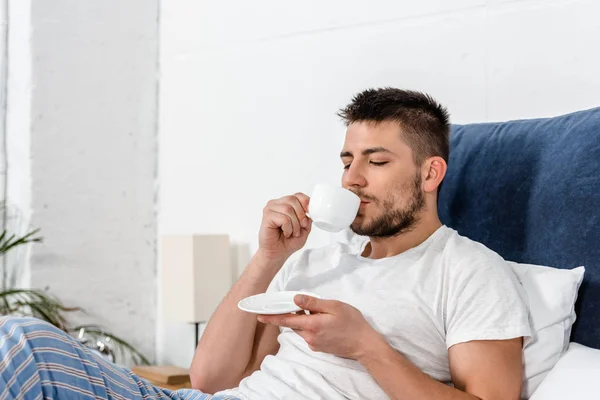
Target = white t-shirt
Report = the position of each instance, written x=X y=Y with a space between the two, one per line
x=447 y=290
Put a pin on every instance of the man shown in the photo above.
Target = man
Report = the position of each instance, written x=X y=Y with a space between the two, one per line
x=411 y=309
x=410 y=312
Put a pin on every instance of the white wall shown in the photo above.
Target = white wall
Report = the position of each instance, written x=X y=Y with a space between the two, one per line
x=249 y=91
x=18 y=126
x=19 y=104
x=93 y=149
x=3 y=94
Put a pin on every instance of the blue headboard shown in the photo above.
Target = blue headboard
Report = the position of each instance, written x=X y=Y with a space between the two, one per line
x=530 y=190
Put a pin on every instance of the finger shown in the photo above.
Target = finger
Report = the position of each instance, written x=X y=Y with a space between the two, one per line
x=282 y=221
x=295 y=202
x=271 y=318
x=304 y=200
x=308 y=337
x=310 y=340
x=308 y=225
x=314 y=304
x=295 y=322
x=288 y=210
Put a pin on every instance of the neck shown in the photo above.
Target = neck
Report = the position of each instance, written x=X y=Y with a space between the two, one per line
x=391 y=246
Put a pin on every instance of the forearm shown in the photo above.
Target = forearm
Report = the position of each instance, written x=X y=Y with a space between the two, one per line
x=401 y=379
x=226 y=344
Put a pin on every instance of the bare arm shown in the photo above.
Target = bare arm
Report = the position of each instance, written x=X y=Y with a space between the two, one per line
x=226 y=346
x=233 y=345
x=265 y=343
x=490 y=369
x=484 y=370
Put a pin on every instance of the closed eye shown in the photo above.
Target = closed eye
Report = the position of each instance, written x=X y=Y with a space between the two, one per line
x=376 y=163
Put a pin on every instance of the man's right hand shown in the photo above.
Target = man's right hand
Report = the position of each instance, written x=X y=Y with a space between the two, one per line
x=285 y=226
x=231 y=331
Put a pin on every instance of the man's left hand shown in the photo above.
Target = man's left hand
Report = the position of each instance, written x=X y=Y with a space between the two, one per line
x=332 y=327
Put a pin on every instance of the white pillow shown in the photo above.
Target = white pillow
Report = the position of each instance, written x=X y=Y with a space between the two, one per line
x=575 y=376
x=552 y=294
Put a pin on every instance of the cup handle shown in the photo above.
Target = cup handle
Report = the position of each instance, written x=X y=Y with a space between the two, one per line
x=308 y=215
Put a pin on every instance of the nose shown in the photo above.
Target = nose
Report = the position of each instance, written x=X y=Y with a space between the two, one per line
x=353 y=177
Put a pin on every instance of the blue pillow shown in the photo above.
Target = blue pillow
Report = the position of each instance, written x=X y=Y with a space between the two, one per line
x=530 y=190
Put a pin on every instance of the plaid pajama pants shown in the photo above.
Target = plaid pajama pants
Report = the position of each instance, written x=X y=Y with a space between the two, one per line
x=39 y=361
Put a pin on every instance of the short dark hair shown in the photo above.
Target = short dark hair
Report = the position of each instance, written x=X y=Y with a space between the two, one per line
x=424 y=122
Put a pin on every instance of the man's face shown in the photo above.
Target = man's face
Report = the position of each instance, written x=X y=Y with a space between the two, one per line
x=379 y=167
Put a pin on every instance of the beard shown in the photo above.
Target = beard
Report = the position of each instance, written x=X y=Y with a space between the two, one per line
x=394 y=220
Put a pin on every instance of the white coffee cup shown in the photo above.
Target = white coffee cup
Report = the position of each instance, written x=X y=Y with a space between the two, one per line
x=332 y=208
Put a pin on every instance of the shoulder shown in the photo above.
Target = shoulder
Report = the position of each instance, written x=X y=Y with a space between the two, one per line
x=465 y=258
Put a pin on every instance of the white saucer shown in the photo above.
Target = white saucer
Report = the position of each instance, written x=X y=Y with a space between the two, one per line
x=272 y=303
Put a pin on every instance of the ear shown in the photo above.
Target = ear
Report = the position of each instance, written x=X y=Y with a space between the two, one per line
x=433 y=172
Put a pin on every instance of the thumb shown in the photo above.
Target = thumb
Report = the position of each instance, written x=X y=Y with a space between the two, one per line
x=313 y=304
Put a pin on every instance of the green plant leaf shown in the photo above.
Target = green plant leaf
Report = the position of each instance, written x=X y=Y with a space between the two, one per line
x=13 y=241
x=40 y=304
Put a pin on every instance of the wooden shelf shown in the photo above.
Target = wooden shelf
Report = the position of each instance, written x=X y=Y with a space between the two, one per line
x=166 y=376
